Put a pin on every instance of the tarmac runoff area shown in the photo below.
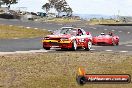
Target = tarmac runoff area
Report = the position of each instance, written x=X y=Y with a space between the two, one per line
x=33 y=45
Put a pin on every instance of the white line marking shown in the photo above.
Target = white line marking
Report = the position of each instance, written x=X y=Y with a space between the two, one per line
x=108 y=50
x=23 y=52
x=10 y=25
x=16 y=38
x=49 y=30
x=42 y=49
x=92 y=49
x=39 y=51
x=120 y=31
x=128 y=32
x=28 y=27
x=35 y=28
x=52 y=49
x=105 y=29
x=92 y=27
x=128 y=45
x=4 y=53
x=123 y=51
x=113 y=30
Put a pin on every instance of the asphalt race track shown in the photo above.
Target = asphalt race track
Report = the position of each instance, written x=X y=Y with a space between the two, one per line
x=35 y=45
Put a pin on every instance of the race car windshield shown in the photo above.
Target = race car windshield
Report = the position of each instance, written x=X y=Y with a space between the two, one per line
x=56 y=32
x=67 y=31
x=104 y=36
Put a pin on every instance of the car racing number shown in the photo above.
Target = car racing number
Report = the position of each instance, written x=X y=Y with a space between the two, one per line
x=81 y=40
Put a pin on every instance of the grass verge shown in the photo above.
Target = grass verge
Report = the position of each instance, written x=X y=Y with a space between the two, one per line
x=103 y=21
x=10 y=32
x=58 y=69
x=62 y=20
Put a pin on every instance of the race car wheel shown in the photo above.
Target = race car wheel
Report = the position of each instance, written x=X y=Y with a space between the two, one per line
x=113 y=43
x=74 y=45
x=117 y=43
x=47 y=48
x=89 y=45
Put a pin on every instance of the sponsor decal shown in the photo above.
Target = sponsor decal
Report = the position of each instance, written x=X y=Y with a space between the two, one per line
x=83 y=78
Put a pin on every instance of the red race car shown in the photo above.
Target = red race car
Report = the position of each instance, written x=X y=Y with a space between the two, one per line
x=106 y=39
x=68 y=38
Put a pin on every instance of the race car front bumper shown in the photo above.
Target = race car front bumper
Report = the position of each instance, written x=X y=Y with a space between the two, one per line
x=57 y=43
x=102 y=42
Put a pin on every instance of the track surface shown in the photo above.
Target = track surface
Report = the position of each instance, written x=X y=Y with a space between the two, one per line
x=15 y=45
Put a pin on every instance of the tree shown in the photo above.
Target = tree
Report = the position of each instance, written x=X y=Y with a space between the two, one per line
x=59 y=6
x=69 y=11
x=53 y=2
x=9 y=2
x=46 y=7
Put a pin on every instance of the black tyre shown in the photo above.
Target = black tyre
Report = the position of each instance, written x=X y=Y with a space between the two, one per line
x=65 y=49
x=74 y=45
x=117 y=43
x=89 y=45
x=47 y=48
x=113 y=43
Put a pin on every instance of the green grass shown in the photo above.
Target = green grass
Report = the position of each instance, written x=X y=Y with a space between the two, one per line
x=58 y=70
x=103 y=21
x=9 y=32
